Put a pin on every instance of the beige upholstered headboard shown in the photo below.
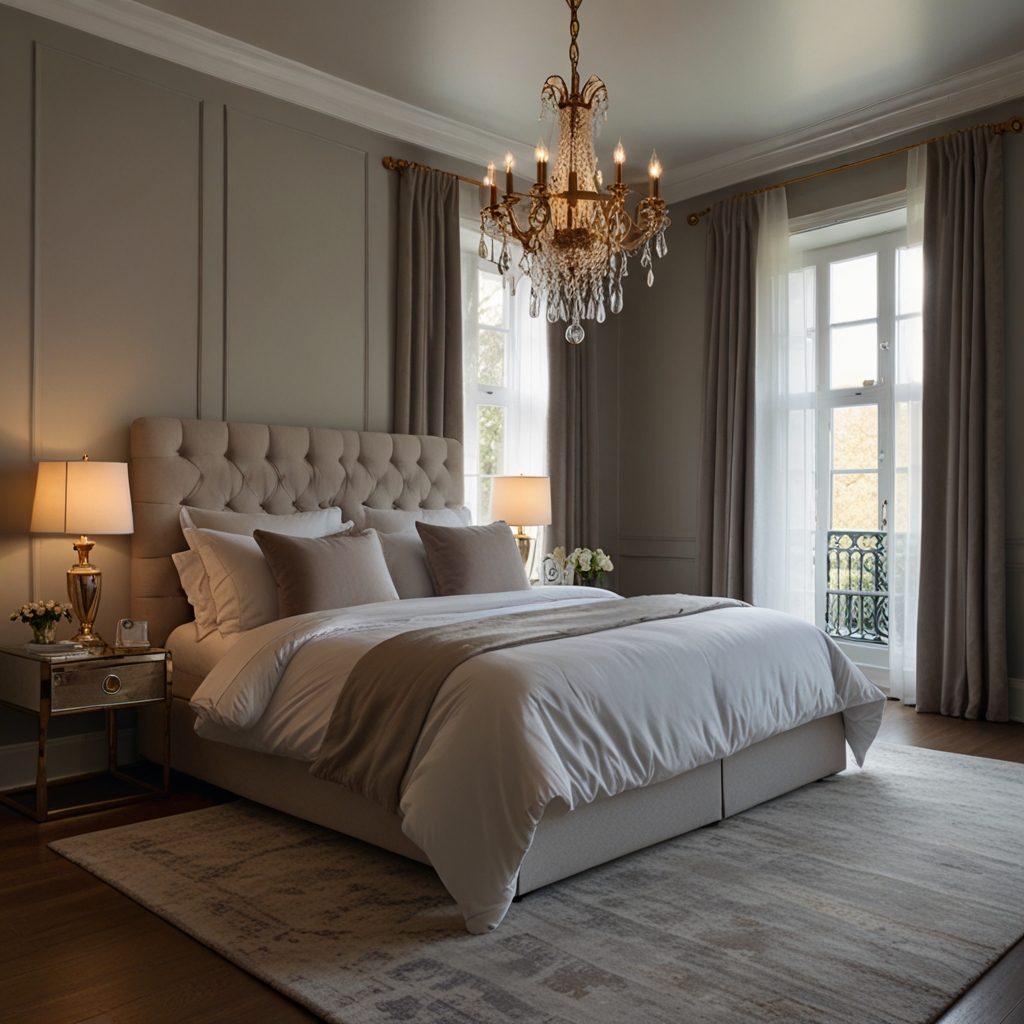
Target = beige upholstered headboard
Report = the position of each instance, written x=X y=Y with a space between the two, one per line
x=248 y=467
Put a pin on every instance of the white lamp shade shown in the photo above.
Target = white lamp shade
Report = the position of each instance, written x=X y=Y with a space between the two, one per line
x=522 y=500
x=82 y=498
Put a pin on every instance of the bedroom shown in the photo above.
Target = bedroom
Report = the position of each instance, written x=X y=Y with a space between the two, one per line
x=199 y=226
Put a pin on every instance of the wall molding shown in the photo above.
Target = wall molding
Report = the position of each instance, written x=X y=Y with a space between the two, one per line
x=183 y=42
x=65 y=756
x=972 y=90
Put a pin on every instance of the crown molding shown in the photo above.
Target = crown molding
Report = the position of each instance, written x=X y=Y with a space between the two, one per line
x=973 y=90
x=164 y=35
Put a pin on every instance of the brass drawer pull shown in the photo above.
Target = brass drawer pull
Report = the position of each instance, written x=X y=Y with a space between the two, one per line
x=112 y=683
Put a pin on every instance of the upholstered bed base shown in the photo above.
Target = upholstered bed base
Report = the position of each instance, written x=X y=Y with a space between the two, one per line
x=566 y=842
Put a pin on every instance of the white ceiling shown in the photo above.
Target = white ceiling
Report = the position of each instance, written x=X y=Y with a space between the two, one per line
x=695 y=78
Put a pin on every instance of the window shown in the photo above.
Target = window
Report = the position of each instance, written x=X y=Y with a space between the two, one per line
x=866 y=326
x=505 y=381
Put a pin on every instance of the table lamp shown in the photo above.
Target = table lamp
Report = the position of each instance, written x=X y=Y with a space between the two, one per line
x=523 y=501
x=81 y=498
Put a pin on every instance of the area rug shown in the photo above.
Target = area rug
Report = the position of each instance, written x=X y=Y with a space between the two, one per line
x=876 y=896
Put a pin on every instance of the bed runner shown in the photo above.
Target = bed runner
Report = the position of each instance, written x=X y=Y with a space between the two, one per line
x=385 y=701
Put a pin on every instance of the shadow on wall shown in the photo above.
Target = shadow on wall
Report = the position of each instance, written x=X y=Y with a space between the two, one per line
x=17 y=485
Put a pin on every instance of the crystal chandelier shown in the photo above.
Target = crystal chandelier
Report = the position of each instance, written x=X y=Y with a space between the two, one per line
x=574 y=235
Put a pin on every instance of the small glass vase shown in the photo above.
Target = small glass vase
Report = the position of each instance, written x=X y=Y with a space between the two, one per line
x=45 y=633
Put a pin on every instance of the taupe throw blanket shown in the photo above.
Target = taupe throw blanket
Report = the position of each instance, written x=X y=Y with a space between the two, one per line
x=385 y=701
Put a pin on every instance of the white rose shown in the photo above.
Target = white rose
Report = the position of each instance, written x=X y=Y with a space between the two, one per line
x=604 y=563
x=585 y=559
x=49 y=604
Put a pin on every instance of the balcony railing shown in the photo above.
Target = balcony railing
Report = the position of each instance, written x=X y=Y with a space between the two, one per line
x=857 y=598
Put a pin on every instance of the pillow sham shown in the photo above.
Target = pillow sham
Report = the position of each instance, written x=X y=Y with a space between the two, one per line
x=407 y=563
x=196 y=585
x=398 y=520
x=320 y=523
x=241 y=583
x=473 y=559
x=316 y=574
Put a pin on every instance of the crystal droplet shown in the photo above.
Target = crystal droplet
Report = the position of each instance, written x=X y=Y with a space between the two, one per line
x=650 y=278
x=534 y=302
x=660 y=245
x=512 y=286
x=483 y=247
x=574 y=333
x=616 y=299
x=552 y=312
x=600 y=312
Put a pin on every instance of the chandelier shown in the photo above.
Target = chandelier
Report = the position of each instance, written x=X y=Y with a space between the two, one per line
x=574 y=233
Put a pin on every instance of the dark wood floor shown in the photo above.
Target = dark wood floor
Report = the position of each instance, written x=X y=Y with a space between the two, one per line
x=74 y=950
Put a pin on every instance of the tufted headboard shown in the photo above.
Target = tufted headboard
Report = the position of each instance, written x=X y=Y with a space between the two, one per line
x=247 y=467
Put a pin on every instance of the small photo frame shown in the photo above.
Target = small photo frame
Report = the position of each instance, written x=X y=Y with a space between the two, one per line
x=132 y=633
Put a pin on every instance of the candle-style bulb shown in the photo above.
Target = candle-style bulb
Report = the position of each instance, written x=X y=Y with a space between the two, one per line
x=541 y=153
x=489 y=176
x=654 y=167
x=510 y=161
x=620 y=153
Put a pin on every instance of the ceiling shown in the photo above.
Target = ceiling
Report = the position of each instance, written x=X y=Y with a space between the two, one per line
x=694 y=78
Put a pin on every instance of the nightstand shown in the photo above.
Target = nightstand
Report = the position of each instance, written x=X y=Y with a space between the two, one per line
x=108 y=680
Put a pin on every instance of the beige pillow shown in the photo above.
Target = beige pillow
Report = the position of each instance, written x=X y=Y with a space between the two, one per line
x=241 y=582
x=320 y=523
x=473 y=559
x=398 y=520
x=196 y=585
x=407 y=563
x=315 y=574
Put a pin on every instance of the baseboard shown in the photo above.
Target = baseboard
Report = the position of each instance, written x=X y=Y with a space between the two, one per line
x=1017 y=700
x=65 y=755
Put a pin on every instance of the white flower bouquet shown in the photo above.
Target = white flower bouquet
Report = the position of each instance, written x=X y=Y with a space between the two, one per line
x=590 y=566
x=43 y=617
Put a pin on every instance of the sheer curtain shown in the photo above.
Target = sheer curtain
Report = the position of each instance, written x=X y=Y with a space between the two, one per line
x=905 y=536
x=784 y=496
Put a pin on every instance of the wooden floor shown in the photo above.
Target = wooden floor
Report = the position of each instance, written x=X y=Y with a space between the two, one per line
x=74 y=950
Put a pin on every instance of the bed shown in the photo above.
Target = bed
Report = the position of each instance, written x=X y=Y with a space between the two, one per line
x=771 y=740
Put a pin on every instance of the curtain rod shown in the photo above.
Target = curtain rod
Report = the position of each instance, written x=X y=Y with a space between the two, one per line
x=1014 y=124
x=393 y=164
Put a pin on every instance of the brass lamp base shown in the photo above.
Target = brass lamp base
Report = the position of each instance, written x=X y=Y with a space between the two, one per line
x=84 y=585
x=523 y=541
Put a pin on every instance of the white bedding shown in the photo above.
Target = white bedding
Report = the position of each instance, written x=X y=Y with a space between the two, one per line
x=509 y=731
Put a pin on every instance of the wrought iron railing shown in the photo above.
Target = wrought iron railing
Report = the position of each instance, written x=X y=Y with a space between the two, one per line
x=857 y=598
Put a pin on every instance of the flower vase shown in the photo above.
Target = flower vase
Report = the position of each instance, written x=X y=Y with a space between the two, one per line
x=44 y=633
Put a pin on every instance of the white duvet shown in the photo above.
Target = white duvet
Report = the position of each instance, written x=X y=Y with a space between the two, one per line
x=578 y=718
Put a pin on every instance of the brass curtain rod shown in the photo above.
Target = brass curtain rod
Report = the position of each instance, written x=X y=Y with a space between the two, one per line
x=1014 y=124
x=393 y=164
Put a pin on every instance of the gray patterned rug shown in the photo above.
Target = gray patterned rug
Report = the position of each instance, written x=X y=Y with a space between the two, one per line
x=876 y=896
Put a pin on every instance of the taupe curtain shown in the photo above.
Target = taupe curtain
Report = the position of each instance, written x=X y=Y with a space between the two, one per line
x=725 y=501
x=572 y=441
x=961 y=624
x=428 y=329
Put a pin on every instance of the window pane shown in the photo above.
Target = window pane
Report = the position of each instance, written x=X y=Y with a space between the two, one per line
x=854 y=355
x=910 y=280
x=909 y=351
x=855 y=437
x=855 y=501
x=853 y=293
x=491 y=438
x=491 y=299
x=490 y=364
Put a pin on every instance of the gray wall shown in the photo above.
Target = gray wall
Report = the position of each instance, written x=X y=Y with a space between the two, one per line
x=172 y=245
x=661 y=342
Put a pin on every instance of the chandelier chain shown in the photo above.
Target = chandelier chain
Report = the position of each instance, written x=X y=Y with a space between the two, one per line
x=574 y=46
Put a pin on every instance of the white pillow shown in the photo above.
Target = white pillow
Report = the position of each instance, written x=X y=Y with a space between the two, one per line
x=196 y=585
x=407 y=562
x=321 y=523
x=397 y=520
x=243 y=587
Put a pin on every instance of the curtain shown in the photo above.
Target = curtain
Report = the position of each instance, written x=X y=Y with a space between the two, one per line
x=905 y=535
x=572 y=441
x=784 y=441
x=725 y=489
x=428 y=330
x=961 y=627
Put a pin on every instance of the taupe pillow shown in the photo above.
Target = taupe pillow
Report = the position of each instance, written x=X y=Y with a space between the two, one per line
x=473 y=559
x=316 y=574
